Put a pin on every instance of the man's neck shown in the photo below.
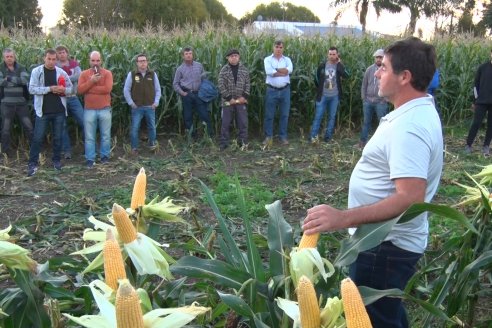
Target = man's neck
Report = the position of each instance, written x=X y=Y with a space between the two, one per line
x=403 y=98
x=64 y=62
x=10 y=66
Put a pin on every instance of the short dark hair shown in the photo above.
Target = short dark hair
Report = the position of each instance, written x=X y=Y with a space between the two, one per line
x=62 y=47
x=140 y=55
x=278 y=42
x=333 y=48
x=186 y=49
x=416 y=56
x=50 y=51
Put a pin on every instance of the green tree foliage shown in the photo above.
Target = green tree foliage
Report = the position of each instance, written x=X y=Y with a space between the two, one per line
x=362 y=7
x=280 y=12
x=487 y=16
x=20 y=14
x=141 y=13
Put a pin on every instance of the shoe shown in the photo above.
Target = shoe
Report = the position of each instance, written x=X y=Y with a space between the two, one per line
x=104 y=160
x=284 y=142
x=134 y=152
x=486 y=151
x=327 y=140
x=32 y=169
x=468 y=149
x=153 y=146
x=360 y=145
x=57 y=165
x=268 y=141
x=68 y=155
x=223 y=147
x=89 y=164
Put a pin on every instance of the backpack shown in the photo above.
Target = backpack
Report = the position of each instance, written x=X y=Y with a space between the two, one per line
x=208 y=91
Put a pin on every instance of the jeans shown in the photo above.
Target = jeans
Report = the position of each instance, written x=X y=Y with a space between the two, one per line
x=241 y=114
x=94 y=118
x=383 y=267
x=57 y=121
x=137 y=115
x=191 y=101
x=274 y=98
x=332 y=104
x=8 y=113
x=74 y=109
x=480 y=111
x=369 y=108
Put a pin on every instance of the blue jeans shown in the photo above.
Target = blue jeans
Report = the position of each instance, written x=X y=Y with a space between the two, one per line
x=94 y=118
x=191 y=101
x=369 y=108
x=57 y=121
x=274 y=98
x=383 y=267
x=75 y=109
x=332 y=104
x=137 y=115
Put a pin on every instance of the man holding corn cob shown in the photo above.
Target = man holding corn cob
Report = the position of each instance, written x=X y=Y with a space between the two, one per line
x=400 y=165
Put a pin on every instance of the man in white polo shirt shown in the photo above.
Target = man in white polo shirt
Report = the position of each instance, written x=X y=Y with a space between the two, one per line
x=400 y=165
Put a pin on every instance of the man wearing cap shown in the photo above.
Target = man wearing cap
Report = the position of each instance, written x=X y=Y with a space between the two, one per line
x=328 y=83
x=371 y=101
x=234 y=86
x=186 y=83
x=278 y=69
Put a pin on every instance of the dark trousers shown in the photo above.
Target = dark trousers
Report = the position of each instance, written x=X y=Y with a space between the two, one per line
x=9 y=112
x=384 y=267
x=57 y=121
x=190 y=102
x=480 y=111
x=240 y=112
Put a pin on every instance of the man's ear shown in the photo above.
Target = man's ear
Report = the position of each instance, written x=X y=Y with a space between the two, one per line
x=405 y=77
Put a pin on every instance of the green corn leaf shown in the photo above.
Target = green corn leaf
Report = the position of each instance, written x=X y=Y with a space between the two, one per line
x=280 y=238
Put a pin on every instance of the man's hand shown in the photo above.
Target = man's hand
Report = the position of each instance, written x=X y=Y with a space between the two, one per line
x=242 y=100
x=154 y=106
x=95 y=78
x=56 y=89
x=134 y=106
x=323 y=218
x=282 y=72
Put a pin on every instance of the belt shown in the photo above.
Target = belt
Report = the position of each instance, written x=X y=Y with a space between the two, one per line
x=276 y=88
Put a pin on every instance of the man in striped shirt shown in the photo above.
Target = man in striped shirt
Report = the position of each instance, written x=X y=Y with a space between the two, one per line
x=13 y=98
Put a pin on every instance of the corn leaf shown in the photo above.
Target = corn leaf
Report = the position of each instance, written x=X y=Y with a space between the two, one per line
x=280 y=238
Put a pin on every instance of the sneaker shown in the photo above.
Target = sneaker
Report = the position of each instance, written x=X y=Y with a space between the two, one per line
x=486 y=151
x=153 y=146
x=32 y=169
x=327 y=140
x=268 y=141
x=468 y=149
x=134 y=152
x=57 y=165
x=89 y=164
x=104 y=160
x=68 y=155
x=284 y=142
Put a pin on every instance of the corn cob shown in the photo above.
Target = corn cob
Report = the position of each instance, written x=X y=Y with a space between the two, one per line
x=114 y=267
x=128 y=311
x=123 y=224
x=355 y=312
x=139 y=188
x=309 y=241
x=308 y=304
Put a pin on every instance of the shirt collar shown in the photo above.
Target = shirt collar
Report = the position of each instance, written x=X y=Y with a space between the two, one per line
x=409 y=105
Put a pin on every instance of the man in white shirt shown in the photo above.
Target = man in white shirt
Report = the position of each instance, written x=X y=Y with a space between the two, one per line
x=400 y=165
x=278 y=69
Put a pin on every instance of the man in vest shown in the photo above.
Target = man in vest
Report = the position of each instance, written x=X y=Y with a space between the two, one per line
x=142 y=92
x=13 y=83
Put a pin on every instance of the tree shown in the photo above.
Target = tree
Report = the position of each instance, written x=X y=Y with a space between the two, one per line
x=93 y=13
x=362 y=7
x=487 y=16
x=20 y=14
x=218 y=12
x=280 y=12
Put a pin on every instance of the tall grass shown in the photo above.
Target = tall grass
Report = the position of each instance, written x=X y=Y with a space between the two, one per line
x=459 y=58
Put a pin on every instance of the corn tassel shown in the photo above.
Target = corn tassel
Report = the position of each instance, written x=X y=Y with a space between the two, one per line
x=123 y=224
x=308 y=304
x=355 y=312
x=139 y=188
x=309 y=241
x=128 y=311
x=114 y=268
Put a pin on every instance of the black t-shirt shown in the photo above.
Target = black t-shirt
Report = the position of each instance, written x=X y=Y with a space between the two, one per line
x=52 y=103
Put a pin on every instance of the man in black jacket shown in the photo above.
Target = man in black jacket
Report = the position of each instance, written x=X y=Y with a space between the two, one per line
x=482 y=106
x=13 y=84
x=329 y=90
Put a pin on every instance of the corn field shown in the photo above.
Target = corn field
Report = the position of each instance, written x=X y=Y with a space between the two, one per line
x=458 y=60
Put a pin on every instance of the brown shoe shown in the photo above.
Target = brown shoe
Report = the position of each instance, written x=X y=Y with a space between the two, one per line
x=284 y=142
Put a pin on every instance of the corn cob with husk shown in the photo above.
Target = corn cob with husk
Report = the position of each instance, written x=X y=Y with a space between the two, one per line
x=355 y=312
x=124 y=225
x=308 y=304
x=114 y=267
x=128 y=311
x=309 y=241
x=139 y=189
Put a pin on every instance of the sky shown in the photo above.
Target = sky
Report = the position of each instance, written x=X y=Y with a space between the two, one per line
x=395 y=23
